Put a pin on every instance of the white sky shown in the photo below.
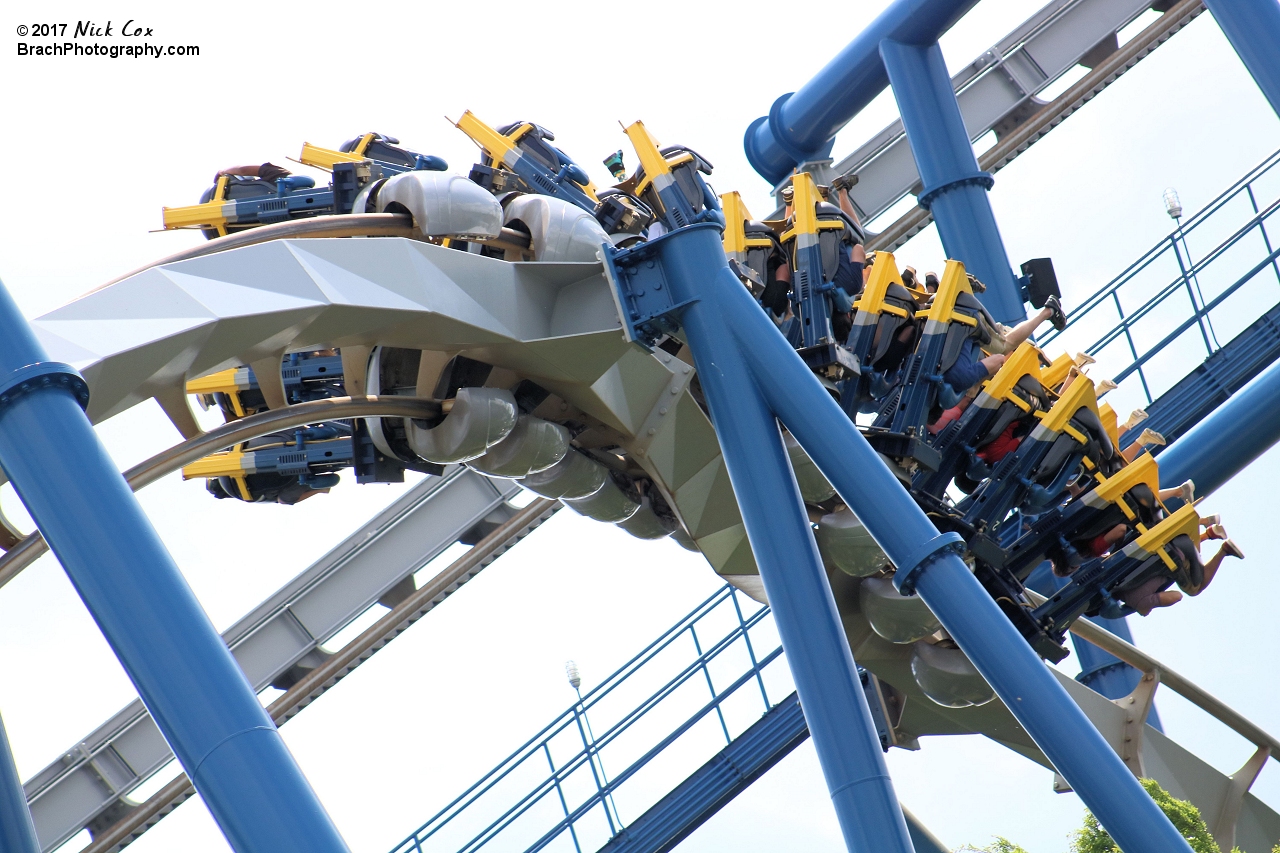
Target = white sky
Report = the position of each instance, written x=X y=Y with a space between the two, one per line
x=94 y=147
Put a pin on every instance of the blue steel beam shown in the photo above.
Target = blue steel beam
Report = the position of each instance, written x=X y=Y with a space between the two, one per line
x=818 y=653
x=1253 y=28
x=750 y=375
x=1227 y=441
x=801 y=124
x=17 y=832
x=730 y=772
x=182 y=670
x=1204 y=389
x=712 y=786
x=954 y=188
x=900 y=47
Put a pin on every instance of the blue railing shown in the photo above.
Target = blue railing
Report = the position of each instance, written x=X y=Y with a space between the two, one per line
x=700 y=684
x=1184 y=298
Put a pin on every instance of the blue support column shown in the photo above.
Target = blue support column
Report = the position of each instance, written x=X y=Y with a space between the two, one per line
x=782 y=540
x=181 y=668
x=17 y=834
x=1253 y=28
x=954 y=188
x=741 y=357
x=1227 y=441
x=801 y=125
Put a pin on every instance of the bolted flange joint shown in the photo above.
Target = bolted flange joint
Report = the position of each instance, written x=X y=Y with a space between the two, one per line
x=924 y=556
x=927 y=195
x=40 y=376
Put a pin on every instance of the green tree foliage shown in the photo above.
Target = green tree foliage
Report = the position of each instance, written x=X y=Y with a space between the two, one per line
x=1092 y=838
x=1001 y=845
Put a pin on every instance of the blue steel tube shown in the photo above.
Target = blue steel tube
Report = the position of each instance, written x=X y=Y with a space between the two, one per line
x=17 y=834
x=1227 y=441
x=1253 y=28
x=944 y=582
x=181 y=668
x=800 y=125
x=790 y=566
x=954 y=188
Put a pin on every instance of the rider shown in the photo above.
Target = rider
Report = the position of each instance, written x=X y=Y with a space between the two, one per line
x=1192 y=576
x=265 y=171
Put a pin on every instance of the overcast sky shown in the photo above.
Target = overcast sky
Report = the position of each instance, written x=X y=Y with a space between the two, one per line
x=94 y=147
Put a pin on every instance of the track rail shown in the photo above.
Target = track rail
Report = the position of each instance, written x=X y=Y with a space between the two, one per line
x=166 y=462
x=337 y=225
x=1184 y=687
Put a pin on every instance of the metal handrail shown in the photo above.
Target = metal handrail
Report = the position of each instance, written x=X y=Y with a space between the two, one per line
x=538 y=747
x=595 y=799
x=1194 y=221
x=603 y=688
x=540 y=743
x=578 y=760
x=1187 y=280
x=1187 y=273
x=1195 y=317
x=553 y=783
x=583 y=758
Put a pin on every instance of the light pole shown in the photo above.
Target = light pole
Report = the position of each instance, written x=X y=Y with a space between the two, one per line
x=1173 y=206
x=593 y=755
